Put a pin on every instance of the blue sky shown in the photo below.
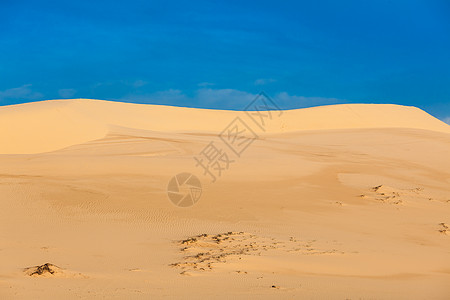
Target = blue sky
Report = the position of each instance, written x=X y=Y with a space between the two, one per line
x=219 y=54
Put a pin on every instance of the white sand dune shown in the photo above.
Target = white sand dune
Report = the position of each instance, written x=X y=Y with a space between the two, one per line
x=51 y=125
x=334 y=202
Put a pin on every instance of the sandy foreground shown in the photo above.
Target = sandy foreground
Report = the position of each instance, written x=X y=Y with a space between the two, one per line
x=333 y=202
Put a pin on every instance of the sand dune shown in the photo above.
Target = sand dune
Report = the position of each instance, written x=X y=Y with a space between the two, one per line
x=334 y=202
x=52 y=125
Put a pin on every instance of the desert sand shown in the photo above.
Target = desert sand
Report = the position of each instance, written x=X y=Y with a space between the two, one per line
x=334 y=202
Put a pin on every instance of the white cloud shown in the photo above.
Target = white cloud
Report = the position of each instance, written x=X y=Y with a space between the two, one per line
x=139 y=83
x=163 y=97
x=20 y=93
x=447 y=120
x=169 y=95
x=264 y=81
x=285 y=100
x=205 y=84
x=205 y=97
x=67 y=93
x=226 y=99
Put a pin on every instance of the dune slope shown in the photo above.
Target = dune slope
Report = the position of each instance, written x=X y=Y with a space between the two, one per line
x=335 y=202
x=52 y=125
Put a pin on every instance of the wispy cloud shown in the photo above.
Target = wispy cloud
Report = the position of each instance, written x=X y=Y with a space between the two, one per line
x=161 y=97
x=205 y=84
x=205 y=97
x=292 y=101
x=264 y=81
x=225 y=98
x=139 y=83
x=228 y=98
x=67 y=93
x=20 y=93
x=446 y=120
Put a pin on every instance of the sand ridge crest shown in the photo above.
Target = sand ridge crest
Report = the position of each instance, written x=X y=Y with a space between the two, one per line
x=56 y=124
